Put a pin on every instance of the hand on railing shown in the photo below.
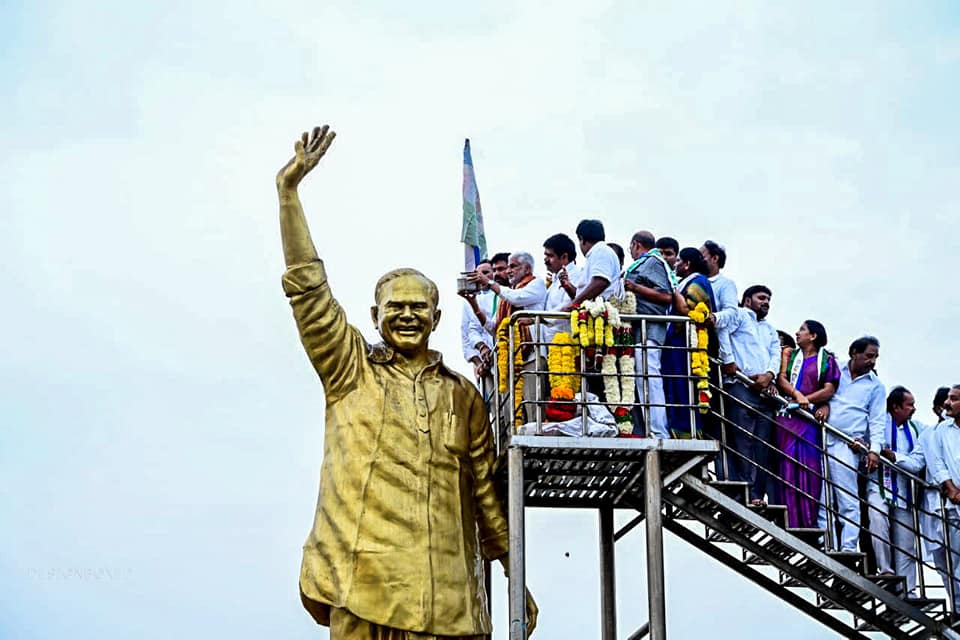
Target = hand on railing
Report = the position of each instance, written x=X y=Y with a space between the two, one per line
x=873 y=461
x=950 y=492
x=822 y=414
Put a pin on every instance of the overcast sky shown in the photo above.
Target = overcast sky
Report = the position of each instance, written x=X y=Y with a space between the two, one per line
x=162 y=429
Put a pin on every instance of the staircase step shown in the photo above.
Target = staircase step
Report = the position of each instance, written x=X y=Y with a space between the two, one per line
x=927 y=605
x=775 y=513
x=773 y=547
x=849 y=559
x=813 y=537
x=894 y=584
x=853 y=560
x=736 y=490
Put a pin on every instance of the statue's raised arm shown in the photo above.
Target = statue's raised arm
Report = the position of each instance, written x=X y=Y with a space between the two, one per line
x=298 y=247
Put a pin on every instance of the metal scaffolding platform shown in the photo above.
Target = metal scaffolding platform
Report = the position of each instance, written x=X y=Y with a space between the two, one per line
x=594 y=473
x=663 y=481
x=603 y=474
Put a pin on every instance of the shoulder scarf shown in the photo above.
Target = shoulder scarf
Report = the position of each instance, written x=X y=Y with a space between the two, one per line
x=888 y=486
x=796 y=362
x=505 y=309
x=655 y=253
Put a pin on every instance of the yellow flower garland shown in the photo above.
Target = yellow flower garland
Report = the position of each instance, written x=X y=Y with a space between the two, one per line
x=503 y=352
x=699 y=361
x=561 y=359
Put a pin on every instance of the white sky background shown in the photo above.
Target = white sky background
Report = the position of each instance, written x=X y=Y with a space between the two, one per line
x=162 y=429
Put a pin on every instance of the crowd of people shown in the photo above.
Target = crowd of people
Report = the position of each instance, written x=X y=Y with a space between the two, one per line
x=773 y=383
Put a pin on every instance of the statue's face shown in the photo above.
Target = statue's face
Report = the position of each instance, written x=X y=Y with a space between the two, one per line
x=405 y=315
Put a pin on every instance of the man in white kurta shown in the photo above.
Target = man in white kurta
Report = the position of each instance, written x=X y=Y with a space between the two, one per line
x=858 y=410
x=890 y=495
x=944 y=471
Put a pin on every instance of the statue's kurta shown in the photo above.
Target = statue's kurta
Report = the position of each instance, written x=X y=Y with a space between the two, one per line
x=406 y=502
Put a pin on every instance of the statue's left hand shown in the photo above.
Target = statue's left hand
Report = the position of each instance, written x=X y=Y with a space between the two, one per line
x=532 y=612
x=307 y=153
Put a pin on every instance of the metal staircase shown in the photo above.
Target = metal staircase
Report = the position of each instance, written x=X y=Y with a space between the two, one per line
x=714 y=517
x=671 y=484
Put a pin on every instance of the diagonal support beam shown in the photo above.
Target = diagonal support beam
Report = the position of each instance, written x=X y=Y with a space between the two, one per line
x=891 y=601
x=764 y=581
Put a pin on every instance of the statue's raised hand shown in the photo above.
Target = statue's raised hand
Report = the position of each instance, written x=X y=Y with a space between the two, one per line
x=307 y=153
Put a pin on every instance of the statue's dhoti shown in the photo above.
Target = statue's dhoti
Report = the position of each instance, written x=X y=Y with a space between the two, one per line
x=346 y=626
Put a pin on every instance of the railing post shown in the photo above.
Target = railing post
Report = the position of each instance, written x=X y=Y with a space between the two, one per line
x=918 y=560
x=654 y=522
x=827 y=492
x=584 y=408
x=511 y=377
x=694 y=393
x=608 y=581
x=645 y=407
x=951 y=586
x=537 y=347
x=722 y=423
x=517 y=561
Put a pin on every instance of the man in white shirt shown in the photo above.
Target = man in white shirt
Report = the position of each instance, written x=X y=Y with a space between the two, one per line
x=858 y=410
x=559 y=256
x=526 y=291
x=724 y=289
x=601 y=274
x=754 y=351
x=920 y=459
x=890 y=494
x=477 y=343
x=943 y=469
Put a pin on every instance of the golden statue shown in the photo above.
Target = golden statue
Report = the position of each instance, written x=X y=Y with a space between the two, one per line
x=407 y=502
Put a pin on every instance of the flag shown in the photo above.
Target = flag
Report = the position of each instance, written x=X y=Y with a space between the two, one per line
x=471 y=234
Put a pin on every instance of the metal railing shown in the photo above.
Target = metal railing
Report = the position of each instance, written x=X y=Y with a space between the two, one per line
x=915 y=490
x=506 y=408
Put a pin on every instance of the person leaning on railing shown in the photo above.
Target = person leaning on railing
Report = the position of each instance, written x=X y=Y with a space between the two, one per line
x=891 y=497
x=754 y=350
x=809 y=375
x=917 y=461
x=648 y=278
x=857 y=410
x=944 y=470
x=694 y=288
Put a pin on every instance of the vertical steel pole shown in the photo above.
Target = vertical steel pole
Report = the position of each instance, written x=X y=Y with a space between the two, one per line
x=693 y=392
x=537 y=375
x=724 y=458
x=608 y=579
x=646 y=379
x=654 y=521
x=918 y=560
x=951 y=583
x=830 y=538
x=584 y=408
x=511 y=378
x=517 y=580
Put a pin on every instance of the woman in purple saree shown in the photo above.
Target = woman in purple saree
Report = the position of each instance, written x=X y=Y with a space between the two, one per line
x=809 y=374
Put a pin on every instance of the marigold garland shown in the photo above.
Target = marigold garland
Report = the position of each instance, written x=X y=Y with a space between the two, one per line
x=503 y=352
x=699 y=362
x=562 y=364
